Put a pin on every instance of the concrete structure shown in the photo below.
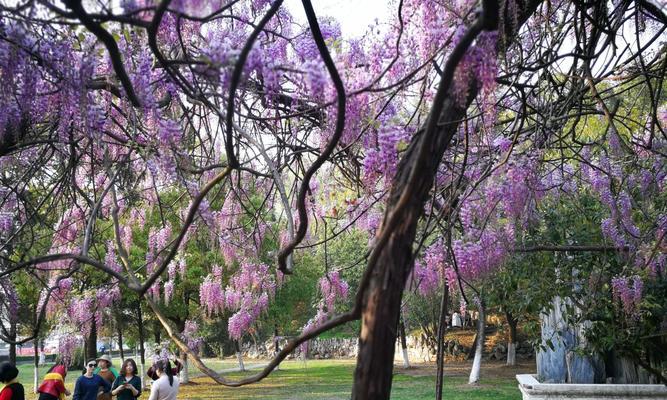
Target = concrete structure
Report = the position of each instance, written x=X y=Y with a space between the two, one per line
x=532 y=389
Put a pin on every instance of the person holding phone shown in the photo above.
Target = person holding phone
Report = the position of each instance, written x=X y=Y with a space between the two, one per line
x=127 y=386
x=166 y=386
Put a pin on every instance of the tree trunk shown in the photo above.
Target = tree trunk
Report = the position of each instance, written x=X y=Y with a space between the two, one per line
x=404 y=343
x=91 y=343
x=238 y=355
x=511 y=345
x=12 y=336
x=120 y=342
x=391 y=261
x=36 y=366
x=442 y=327
x=142 y=352
x=185 y=373
x=157 y=332
x=479 y=350
x=42 y=355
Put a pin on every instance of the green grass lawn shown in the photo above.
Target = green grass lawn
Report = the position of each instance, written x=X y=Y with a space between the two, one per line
x=332 y=379
x=26 y=371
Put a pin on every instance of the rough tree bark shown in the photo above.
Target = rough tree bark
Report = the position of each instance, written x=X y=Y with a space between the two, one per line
x=381 y=298
x=511 y=343
x=91 y=342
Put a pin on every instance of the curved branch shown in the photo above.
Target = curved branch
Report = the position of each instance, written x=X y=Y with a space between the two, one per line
x=287 y=350
x=236 y=79
x=331 y=145
x=279 y=185
x=70 y=256
x=572 y=248
x=110 y=43
x=395 y=216
x=186 y=225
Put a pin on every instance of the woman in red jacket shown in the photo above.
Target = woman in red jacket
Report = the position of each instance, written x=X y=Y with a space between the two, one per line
x=53 y=387
x=13 y=390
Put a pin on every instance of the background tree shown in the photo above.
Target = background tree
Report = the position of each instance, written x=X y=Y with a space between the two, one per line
x=235 y=121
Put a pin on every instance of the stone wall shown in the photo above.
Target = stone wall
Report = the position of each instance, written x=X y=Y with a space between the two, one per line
x=418 y=351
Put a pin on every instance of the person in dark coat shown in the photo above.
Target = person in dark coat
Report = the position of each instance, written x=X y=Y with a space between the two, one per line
x=88 y=385
x=13 y=390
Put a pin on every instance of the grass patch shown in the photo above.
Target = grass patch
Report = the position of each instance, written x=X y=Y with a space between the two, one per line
x=332 y=379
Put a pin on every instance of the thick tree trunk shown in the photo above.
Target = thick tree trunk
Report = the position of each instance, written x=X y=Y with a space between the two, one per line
x=404 y=344
x=91 y=343
x=391 y=260
x=479 y=350
x=381 y=307
x=511 y=344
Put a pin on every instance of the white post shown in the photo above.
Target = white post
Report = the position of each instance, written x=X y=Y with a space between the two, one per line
x=36 y=380
x=239 y=356
x=477 y=361
x=406 y=362
x=185 y=377
x=142 y=373
x=511 y=353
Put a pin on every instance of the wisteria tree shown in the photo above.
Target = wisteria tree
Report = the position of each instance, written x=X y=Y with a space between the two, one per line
x=229 y=122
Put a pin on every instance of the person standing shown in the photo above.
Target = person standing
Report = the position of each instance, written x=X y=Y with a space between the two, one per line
x=107 y=372
x=105 y=369
x=13 y=390
x=166 y=386
x=127 y=385
x=456 y=320
x=88 y=385
x=164 y=355
x=53 y=386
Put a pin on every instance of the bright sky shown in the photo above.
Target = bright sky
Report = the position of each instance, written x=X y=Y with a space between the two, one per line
x=354 y=16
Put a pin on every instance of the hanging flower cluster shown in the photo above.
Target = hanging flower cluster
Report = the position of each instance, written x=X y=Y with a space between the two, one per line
x=247 y=295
